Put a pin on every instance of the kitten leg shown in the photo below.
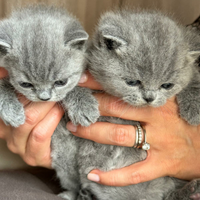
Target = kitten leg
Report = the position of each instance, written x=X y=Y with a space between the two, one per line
x=11 y=110
x=82 y=106
x=189 y=102
x=191 y=191
x=69 y=195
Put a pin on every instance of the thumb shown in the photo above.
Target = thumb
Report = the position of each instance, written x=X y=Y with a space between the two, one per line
x=139 y=172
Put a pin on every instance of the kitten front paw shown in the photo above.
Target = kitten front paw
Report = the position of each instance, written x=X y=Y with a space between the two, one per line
x=190 y=111
x=12 y=113
x=68 y=195
x=85 y=195
x=191 y=191
x=84 y=114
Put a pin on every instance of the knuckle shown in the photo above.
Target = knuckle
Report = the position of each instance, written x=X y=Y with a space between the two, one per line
x=29 y=160
x=119 y=135
x=32 y=116
x=112 y=180
x=135 y=178
x=113 y=106
x=39 y=134
x=86 y=132
x=11 y=146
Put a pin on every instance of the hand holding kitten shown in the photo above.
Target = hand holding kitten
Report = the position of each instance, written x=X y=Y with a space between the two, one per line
x=32 y=139
x=174 y=143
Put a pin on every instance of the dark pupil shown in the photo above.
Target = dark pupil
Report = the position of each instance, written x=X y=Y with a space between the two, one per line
x=26 y=85
x=109 y=43
x=167 y=86
x=133 y=83
x=60 y=83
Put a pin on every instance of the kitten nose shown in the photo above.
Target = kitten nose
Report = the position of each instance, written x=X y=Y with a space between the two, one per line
x=44 y=99
x=148 y=100
x=44 y=95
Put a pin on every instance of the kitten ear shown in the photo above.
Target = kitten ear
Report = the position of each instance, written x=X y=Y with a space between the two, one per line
x=111 y=39
x=76 y=39
x=4 y=47
x=194 y=54
x=113 y=42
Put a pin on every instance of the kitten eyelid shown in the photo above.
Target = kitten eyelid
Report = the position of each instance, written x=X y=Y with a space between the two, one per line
x=132 y=83
x=167 y=86
x=26 y=85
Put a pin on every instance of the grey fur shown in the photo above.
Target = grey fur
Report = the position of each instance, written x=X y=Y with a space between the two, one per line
x=42 y=47
x=155 y=50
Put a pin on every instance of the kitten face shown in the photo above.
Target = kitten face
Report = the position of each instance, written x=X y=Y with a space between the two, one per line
x=45 y=53
x=141 y=58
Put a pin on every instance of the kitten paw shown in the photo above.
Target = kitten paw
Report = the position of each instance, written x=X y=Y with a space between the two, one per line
x=195 y=196
x=12 y=113
x=85 y=195
x=190 y=112
x=84 y=114
x=68 y=195
x=191 y=191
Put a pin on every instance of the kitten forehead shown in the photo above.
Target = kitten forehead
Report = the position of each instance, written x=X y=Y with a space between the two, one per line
x=39 y=46
x=154 y=41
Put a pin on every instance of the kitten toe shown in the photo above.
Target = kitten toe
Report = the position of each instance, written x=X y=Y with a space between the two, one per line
x=195 y=196
x=84 y=116
x=68 y=195
x=85 y=195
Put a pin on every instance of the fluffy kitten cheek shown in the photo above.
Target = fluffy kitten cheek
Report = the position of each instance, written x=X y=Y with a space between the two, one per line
x=158 y=102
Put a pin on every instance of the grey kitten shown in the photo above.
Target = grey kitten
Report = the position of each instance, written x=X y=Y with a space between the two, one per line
x=43 y=49
x=144 y=59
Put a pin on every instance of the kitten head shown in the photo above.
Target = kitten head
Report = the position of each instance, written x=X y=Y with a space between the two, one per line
x=143 y=58
x=43 y=50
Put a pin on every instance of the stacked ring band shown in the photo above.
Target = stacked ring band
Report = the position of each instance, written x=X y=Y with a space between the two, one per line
x=140 y=132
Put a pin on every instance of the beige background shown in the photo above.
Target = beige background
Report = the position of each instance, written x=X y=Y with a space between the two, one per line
x=88 y=12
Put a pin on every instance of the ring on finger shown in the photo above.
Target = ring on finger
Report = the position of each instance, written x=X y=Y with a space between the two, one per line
x=141 y=133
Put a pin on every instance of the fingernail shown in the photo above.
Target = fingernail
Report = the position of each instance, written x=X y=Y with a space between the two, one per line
x=93 y=177
x=71 y=127
x=83 y=78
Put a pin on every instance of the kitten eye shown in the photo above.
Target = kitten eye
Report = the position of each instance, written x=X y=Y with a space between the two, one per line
x=167 y=86
x=133 y=82
x=111 y=44
x=61 y=83
x=26 y=85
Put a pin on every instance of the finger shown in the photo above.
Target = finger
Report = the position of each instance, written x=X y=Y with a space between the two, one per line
x=40 y=139
x=35 y=112
x=113 y=106
x=106 y=133
x=137 y=173
x=87 y=80
x=3 y=72
x=23 y=100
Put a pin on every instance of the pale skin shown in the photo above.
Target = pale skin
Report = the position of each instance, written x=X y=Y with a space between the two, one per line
x=175 y=146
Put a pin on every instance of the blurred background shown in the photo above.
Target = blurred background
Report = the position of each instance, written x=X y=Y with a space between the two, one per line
x=88 y=12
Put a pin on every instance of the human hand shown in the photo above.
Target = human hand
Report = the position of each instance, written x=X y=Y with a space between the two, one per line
x=32 y=139
x=175 y=146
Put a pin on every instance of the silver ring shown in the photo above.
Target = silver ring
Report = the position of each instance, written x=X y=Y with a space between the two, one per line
x=145 y=144
x=140 y=131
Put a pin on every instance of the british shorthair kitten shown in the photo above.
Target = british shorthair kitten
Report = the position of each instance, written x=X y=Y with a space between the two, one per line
x=43 y=49
x=144 y=59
